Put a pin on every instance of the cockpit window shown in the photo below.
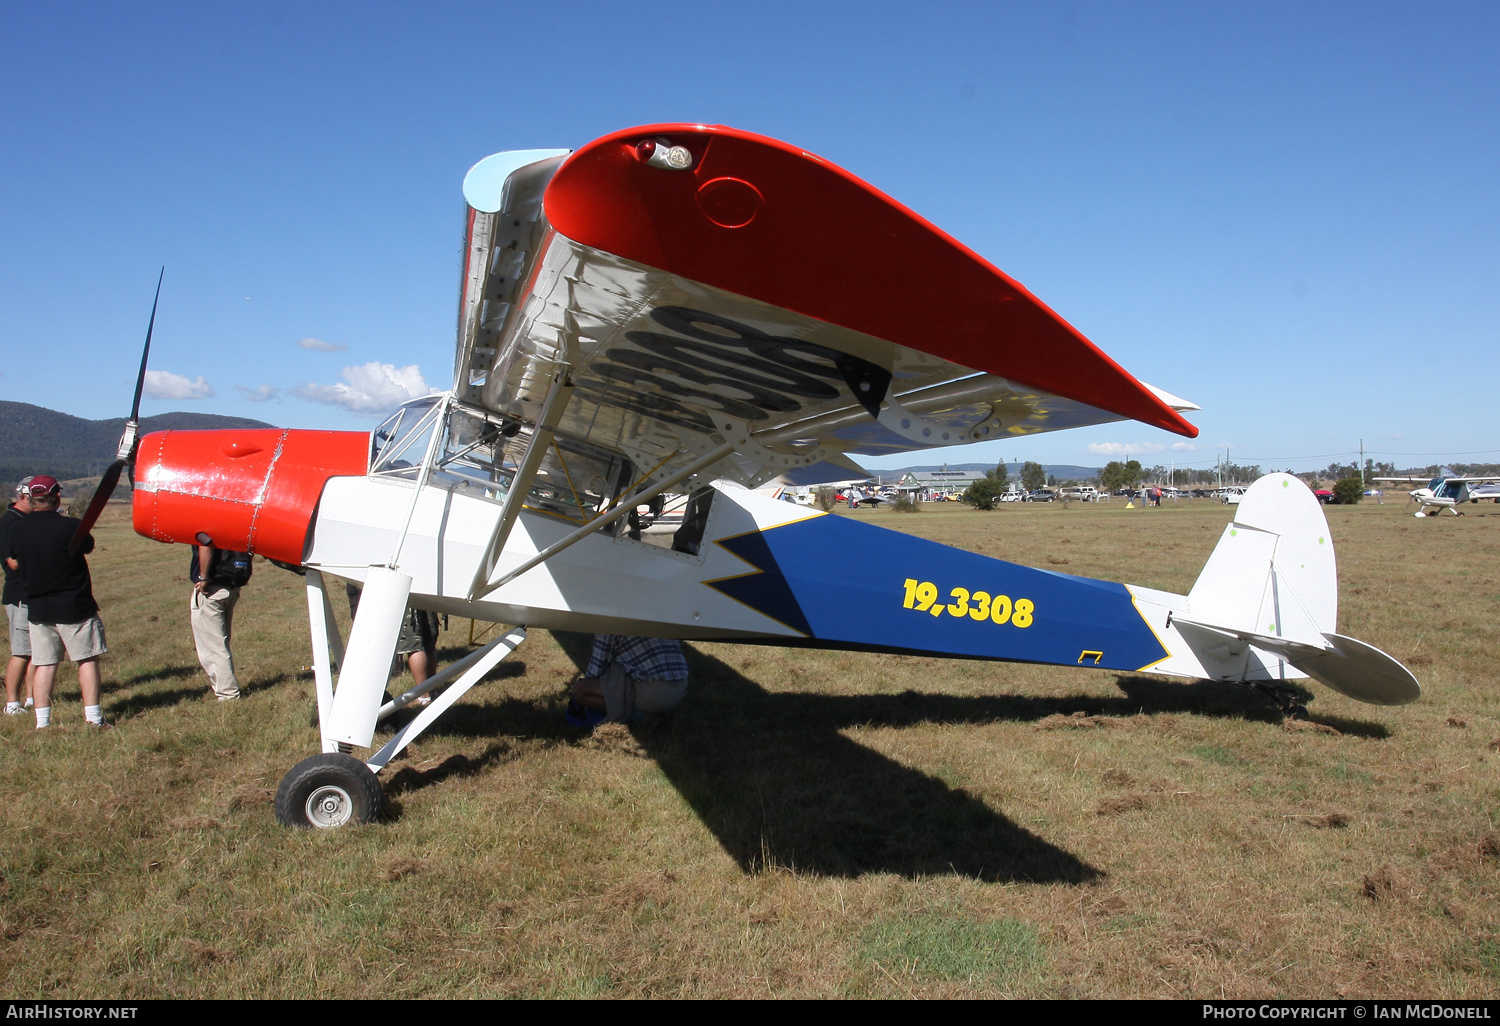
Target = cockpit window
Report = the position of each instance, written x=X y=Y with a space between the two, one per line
x=479 y=451
x=393 y=447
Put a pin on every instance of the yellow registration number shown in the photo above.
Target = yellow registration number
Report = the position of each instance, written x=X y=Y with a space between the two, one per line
x=976 y=605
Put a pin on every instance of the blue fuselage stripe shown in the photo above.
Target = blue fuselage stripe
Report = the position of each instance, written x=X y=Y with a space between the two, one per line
x=839 y=581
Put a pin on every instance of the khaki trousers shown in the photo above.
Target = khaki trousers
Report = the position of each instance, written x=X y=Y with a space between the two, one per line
x=212 y=612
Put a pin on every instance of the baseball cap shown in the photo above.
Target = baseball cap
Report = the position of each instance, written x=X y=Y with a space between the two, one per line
x=23 y=487
x=44 y=484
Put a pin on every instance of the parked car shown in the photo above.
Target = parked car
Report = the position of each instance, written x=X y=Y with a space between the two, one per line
x=1040 y=495
x=1325 y=495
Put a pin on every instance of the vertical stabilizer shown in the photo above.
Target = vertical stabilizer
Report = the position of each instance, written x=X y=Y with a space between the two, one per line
x=1273 y=571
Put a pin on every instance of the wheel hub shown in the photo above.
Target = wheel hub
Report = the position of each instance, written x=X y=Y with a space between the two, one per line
x=329 y=806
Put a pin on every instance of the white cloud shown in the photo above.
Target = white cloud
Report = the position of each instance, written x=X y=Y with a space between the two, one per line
x=323 y=347
x=257 y=395
x=372 y=388
x=1184 y=447
x=1124 y=448
x=166 y=385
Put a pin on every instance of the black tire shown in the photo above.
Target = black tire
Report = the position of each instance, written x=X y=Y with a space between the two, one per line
x=327 y=791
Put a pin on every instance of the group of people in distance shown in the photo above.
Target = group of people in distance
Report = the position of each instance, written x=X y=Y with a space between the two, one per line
x=50 y=612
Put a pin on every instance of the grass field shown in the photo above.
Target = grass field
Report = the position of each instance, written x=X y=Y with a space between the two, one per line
x=809 y=823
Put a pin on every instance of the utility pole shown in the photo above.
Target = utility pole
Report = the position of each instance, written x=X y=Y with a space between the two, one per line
x=1362 y=463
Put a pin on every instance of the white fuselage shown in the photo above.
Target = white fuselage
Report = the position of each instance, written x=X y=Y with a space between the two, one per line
x=604 y=583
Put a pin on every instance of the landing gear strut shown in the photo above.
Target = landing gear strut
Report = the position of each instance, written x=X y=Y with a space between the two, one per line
x=338 y=788
x=1288 y=700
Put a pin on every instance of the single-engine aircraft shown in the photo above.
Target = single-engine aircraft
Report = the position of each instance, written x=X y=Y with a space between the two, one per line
x=695 y=310
x=1447 y=491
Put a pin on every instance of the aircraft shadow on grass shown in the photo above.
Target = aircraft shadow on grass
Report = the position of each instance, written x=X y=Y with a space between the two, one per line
x=779 y=785
x=1215 y=698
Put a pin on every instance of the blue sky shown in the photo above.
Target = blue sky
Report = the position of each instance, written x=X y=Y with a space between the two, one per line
x=1284 y=212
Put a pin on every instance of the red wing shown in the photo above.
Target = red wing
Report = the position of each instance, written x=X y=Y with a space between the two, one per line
x=775 y=224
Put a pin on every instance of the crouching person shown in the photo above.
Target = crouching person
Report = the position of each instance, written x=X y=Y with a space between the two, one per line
x=632 y=680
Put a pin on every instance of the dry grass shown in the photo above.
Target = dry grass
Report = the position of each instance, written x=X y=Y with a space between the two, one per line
x=808 y=824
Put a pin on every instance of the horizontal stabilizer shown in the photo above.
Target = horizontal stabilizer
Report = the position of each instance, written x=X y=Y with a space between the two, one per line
x=1349 y=666
x=1282 y=646
x=1362 y=672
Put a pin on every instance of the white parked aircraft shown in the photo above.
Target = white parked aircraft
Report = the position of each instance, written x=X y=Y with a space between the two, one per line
x=1447 y=491
x=694 y=310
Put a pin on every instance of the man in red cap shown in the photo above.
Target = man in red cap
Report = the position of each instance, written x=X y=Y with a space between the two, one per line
x=60 y=602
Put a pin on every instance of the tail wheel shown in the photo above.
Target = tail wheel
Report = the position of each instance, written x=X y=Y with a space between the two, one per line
x=328 y=791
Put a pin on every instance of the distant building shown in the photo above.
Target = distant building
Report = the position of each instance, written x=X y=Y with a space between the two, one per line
x=929 y=485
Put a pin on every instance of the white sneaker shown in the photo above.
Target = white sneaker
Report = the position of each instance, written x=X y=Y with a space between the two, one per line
x=12 y=710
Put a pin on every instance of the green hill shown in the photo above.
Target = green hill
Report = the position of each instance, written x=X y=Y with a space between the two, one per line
x=34 y=440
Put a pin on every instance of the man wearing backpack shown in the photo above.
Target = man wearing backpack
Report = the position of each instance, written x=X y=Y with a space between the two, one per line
x=216 y=589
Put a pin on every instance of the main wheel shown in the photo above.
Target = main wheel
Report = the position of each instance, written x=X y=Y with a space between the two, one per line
x=327 y=791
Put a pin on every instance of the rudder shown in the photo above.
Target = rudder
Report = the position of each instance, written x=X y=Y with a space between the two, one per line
x=1273 y=571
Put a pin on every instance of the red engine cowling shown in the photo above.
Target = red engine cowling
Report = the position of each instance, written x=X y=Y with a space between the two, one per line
x=253 y=490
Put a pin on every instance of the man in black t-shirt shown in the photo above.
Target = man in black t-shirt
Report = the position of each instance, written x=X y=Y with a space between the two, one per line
x=18 y=666
x=60 y=606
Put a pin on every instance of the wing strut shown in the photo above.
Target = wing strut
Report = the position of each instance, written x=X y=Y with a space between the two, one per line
x=520 y=483
x=621 y=508
x=439 y=415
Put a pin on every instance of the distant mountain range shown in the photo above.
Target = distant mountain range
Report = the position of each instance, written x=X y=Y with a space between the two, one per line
x=34 y=440
x=1061 y=471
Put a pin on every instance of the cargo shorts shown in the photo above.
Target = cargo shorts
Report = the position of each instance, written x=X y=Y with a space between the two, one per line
x=20 y=630
x=83 y=640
